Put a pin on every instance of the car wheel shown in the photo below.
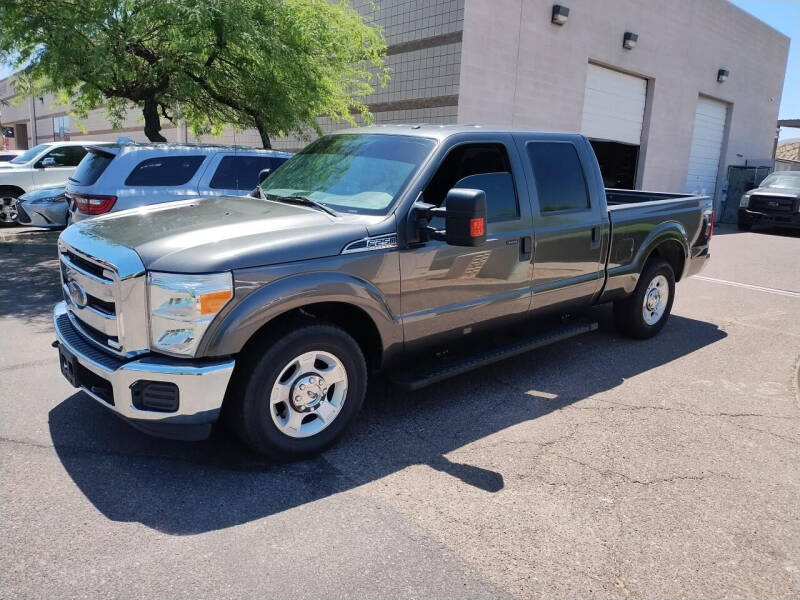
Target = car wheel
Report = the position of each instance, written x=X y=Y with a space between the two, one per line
x=300 y=393
x=8 y=207
x=647 y=310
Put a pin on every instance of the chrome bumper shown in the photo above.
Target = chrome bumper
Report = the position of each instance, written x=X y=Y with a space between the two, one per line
x=201 y=384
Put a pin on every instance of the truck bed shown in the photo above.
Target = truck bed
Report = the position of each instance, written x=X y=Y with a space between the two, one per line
x=638 y=219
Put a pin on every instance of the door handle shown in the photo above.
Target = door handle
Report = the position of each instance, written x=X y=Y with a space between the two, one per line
x=595 y=238
x=525 y=247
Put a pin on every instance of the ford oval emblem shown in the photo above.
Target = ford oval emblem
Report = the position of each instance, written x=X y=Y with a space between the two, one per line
x=77 y=294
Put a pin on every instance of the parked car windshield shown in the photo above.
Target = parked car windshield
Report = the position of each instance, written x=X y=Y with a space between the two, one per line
x=352 y=173
x=782 y=180
x=29 y=155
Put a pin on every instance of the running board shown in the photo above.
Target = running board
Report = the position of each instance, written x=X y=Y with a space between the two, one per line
x=416 y=378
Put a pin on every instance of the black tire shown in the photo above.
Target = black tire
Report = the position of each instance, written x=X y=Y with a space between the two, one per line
x=249 y=410
x=628 y=313
x=744 y=226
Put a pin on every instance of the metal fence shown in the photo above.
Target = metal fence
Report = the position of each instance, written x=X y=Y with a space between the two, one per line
x=740 y=179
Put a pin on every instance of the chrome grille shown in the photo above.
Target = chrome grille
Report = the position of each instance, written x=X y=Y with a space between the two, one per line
x=105 y=299
x=771 y=204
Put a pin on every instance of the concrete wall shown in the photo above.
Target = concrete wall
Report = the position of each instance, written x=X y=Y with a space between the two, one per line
x=520 y=70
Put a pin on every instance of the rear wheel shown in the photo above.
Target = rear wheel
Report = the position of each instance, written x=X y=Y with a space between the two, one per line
x=301 y=393
x=647 y=310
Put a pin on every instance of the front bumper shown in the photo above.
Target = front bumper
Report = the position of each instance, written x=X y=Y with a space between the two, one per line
x=786 y=219
x=49 y=214
x=201 y=385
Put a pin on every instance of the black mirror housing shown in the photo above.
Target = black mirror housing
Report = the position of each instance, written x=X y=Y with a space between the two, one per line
x=263 y=174
x=465 y=217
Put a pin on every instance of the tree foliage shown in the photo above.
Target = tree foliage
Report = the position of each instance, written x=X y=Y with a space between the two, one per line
x=272 y=65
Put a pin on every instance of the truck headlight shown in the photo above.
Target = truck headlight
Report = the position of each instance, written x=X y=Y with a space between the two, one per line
x=744 y=202
x=182 y=306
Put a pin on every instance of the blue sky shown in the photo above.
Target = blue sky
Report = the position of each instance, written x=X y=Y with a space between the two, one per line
x=783 y=15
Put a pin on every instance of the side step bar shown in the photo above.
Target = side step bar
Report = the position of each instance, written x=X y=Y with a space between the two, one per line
x=417 y=378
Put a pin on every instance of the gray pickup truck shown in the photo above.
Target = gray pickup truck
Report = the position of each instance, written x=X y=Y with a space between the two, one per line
x=422 y=251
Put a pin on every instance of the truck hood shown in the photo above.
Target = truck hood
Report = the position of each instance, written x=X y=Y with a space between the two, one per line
x=223 y=233
x=767 y=191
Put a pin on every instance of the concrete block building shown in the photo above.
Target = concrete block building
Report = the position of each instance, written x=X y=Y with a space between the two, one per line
x=671 y=93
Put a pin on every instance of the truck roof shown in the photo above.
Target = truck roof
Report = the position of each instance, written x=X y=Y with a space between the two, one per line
x=437 y=131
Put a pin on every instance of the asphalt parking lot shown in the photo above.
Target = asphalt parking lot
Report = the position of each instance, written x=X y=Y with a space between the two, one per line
x=597 y=468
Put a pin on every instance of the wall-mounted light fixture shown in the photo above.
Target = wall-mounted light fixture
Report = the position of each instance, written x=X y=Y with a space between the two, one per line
x=722 y=75
x=560 y=14
x=629 y=40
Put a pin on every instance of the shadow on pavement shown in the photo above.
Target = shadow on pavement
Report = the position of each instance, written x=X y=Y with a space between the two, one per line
x=30 y=284
x=185 y=488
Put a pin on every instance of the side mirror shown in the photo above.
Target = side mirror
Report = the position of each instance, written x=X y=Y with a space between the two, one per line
x=465 y=217
x=263 y=174
x=47 y=161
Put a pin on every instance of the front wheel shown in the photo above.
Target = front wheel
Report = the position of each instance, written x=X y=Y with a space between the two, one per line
x=8 y=207
x=646 y=311
x=301 y=393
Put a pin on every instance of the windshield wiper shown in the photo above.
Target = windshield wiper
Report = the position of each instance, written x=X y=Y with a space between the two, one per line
x=300 y=200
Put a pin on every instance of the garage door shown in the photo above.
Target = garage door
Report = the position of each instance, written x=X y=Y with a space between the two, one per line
x=707 y=137
x=613 y=106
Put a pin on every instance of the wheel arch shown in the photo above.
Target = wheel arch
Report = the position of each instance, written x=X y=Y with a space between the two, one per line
x=14 y=189
x=353 y=304
x=668 y=242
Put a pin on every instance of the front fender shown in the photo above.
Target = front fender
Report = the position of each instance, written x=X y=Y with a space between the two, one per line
x=228 y=334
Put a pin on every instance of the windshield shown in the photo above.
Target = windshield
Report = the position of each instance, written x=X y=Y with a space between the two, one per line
x=782 y=180
x=29 y=155
x=359 y=174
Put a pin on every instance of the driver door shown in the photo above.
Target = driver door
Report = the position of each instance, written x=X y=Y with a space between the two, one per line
x=66 y=161
x=449 y=291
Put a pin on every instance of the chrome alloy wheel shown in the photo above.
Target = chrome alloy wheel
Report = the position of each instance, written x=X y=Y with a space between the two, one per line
x=8 y=209
x=309 y=394
x=656 y=298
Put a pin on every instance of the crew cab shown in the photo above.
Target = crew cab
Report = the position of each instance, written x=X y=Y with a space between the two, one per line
x=421 y=251
x=43 y=166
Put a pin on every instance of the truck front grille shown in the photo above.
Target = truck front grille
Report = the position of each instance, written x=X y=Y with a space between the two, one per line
x=772 y=204
x=95 y=295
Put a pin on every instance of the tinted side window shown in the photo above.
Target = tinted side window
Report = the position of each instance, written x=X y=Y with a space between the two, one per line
x=164 y=171
x=560 y=183
x=501 y=199
x=462 y=164
x=241 y=172
x=67 y=156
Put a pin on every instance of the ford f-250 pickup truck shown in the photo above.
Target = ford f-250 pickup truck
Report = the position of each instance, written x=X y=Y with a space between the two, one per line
x=372 y=249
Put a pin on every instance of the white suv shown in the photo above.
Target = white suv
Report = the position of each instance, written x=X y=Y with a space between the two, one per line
x=43 y=166
x=127 y=175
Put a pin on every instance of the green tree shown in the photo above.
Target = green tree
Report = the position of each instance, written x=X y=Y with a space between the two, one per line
x=272 y=65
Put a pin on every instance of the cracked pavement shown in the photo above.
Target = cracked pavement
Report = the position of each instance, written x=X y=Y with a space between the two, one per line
x=599 y=467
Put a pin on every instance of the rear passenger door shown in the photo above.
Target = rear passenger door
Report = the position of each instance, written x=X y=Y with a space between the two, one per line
x=570 y=226
x=235 y=173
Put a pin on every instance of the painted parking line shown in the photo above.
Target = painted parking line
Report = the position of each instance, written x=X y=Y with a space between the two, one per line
x=747 y=286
